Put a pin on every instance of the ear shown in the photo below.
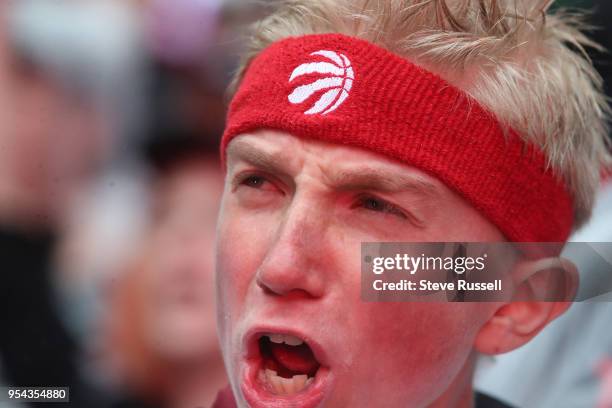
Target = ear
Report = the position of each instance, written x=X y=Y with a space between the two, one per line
x=543 y=290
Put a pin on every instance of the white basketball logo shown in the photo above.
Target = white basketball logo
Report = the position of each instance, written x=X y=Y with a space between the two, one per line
x=336 y=82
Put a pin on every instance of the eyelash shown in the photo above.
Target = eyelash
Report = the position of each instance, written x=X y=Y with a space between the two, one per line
x=367 y=202
x=256 y=181
x=248 y=179
x=251 y=178
x=376 y=204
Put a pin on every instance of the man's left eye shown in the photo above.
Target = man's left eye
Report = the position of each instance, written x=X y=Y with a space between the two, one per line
x=253 y=181
x=379 y=205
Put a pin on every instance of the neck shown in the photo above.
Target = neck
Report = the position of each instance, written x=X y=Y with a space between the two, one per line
x=460 y=393
x=196 y=383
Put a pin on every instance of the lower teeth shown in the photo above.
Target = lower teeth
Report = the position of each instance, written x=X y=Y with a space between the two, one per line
x=284 y=386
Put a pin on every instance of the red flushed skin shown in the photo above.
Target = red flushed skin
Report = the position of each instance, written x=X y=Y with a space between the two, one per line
x=288 y=261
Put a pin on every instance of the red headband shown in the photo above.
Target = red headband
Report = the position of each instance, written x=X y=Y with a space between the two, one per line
x=347 y=91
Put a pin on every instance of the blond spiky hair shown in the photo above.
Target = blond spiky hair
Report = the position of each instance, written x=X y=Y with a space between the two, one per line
x=527 y=67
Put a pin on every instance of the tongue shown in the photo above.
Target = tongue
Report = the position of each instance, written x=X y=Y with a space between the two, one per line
x=295 y=358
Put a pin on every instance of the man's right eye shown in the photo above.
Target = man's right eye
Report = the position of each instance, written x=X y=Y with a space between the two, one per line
x=257 y=182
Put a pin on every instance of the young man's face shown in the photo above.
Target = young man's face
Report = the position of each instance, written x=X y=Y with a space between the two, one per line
x=293 y=217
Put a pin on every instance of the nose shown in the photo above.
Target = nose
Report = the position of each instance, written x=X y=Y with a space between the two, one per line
x=295 y=264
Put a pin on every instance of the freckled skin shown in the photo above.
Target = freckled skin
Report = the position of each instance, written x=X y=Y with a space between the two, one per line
x=288 y=254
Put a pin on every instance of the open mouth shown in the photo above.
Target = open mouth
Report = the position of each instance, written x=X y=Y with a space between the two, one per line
x=288 y=364
x=284 y=370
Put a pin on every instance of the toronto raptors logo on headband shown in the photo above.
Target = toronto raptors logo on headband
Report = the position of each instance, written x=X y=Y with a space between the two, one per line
x=336 y=80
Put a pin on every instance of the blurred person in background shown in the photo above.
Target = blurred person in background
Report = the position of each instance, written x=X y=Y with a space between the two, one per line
x=147 y=338
x=162 y=328
x=44 y=157
x=60 y=67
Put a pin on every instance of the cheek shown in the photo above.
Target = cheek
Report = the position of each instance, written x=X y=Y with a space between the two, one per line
x=413 y=350
x=242 y=242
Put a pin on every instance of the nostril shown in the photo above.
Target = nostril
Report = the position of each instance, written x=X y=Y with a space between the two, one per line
x=288 y=294
x=265 y=288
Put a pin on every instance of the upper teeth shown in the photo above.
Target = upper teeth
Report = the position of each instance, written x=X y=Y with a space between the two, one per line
x=285 y=338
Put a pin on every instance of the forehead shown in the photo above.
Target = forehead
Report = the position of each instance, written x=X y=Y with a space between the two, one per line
x=293 y=153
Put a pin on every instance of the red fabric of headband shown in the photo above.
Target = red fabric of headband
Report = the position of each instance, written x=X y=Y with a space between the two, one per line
x=348 y=91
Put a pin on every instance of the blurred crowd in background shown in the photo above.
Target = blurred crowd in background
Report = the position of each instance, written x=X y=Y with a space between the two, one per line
x=111 y=113
x=110 y=117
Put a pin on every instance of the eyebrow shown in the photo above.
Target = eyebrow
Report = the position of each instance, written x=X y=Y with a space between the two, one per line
x=267 y=161
x=370 y=178
x=359 y=178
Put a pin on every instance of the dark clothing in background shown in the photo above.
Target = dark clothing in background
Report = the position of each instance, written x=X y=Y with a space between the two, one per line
x=484 y=401
x=35 y=349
